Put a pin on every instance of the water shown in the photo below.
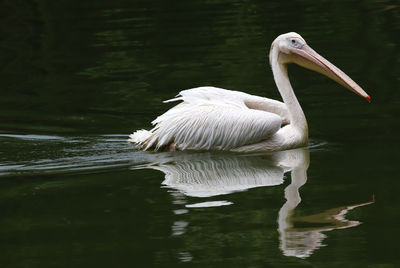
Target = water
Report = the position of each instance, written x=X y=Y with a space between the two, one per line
x=78 y=77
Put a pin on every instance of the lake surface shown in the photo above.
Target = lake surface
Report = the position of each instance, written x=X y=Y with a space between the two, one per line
x=77 y=77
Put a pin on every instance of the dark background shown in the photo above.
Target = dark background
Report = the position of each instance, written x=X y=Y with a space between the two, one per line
x=73 y=71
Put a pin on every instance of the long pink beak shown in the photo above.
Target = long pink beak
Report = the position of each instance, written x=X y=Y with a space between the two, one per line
x=312 y=60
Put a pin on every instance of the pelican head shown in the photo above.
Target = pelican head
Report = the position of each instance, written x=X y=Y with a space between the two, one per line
x=292 y=48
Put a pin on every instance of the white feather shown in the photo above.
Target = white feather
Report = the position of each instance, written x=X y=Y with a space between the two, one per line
x=211 y=118
x=140 y=136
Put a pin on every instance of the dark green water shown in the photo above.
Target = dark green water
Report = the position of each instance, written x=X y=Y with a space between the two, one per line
x=77 y=77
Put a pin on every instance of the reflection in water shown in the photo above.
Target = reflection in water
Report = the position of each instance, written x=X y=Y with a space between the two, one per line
x=202 y=175
x=302 y=241
x=208 y=174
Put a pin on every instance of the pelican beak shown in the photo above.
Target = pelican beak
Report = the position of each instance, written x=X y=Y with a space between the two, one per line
x=308 y=58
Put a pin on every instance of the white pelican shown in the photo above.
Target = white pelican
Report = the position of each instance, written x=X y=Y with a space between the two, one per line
x=212 y=118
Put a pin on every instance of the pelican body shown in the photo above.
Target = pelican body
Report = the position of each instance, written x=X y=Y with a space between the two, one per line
x=210 y=118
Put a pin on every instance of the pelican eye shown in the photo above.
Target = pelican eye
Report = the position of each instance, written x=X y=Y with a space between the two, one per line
x=295 y=43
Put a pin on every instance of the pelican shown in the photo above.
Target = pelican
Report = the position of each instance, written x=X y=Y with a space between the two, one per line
x=210 y=118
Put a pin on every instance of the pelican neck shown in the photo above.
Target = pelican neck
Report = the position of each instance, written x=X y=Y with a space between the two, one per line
x=296 y=114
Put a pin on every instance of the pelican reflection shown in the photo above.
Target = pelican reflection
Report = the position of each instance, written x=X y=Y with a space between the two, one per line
x=213 y=174
x=302 y=241
x=207 y=174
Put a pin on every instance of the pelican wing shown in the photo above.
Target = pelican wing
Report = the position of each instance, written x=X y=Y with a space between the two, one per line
x=220 y=120
x=235 y=98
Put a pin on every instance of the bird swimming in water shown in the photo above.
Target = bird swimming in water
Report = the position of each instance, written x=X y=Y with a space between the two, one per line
x=210 y=118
